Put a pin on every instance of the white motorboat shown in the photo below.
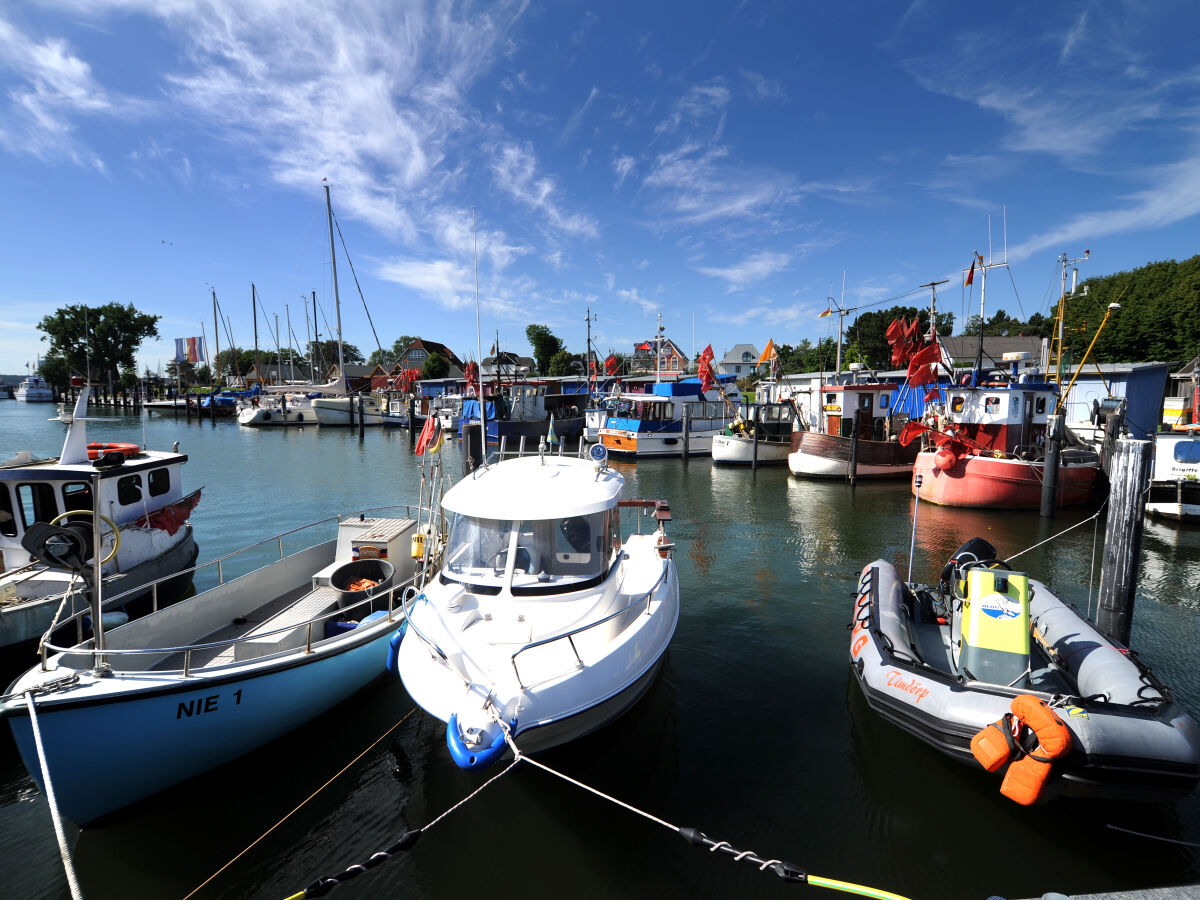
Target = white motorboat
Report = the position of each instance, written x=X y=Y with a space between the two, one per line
x=174 y=694
x=273 y=410
x=345 y=411
x=546 y=621
x=1174 y=488
x=144 y=528
x=34 y=389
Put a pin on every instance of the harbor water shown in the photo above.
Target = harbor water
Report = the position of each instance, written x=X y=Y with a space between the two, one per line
x=754 y=732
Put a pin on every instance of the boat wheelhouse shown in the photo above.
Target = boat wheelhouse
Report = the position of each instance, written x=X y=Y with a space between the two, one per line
x=851 y=414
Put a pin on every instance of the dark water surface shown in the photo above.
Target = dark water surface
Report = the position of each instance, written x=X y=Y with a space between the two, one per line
x=754 y=732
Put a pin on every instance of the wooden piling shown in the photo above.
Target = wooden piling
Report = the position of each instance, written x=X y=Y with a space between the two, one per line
x=687 y=431
x=852 y=461
x=1054 y=435
x=362 y=430
x=1123 y=537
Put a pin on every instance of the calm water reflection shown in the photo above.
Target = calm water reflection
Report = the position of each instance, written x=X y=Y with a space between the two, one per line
x=754 y=732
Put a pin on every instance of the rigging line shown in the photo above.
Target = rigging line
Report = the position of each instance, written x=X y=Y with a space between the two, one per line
x=1052 y=537
x=382 y=355
x=301 y=805
x=1153 y=837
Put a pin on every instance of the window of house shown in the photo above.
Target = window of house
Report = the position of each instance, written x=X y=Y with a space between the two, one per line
x=747 y=357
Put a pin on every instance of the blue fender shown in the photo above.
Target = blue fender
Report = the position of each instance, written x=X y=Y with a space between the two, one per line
x=466 y=758
x=394 y=649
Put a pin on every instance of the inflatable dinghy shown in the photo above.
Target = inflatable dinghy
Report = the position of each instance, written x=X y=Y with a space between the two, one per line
x=992 y=668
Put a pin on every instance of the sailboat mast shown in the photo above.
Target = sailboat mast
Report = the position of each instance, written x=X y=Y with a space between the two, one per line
x=291 y=353
x=337 y=301
x=254 y=311
x=216 y=366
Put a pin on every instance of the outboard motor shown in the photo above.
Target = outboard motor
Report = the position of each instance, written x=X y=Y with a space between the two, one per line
x=974 y=550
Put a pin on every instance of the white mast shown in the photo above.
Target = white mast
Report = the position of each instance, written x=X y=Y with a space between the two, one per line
x=337 y=302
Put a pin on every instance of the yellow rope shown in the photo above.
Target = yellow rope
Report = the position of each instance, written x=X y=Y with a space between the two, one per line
x=848 y=887
x=298 y=808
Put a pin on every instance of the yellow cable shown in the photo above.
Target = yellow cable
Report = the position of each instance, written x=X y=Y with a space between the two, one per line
x=847 y=887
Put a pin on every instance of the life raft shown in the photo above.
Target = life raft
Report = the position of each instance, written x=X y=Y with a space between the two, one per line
x=95 y=450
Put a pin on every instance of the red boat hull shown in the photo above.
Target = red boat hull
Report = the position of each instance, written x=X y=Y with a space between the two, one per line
x=981 y=481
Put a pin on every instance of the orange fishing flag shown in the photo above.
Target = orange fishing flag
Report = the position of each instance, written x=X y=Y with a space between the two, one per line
x=768 y=354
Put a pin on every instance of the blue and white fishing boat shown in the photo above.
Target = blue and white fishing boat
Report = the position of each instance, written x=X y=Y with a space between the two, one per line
x=174 y=694
x=546 y=621
x=651 y=424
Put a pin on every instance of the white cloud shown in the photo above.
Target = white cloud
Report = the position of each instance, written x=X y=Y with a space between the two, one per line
x=623 y=166
x=448 y=283
x=753 y=269
x=515 y=169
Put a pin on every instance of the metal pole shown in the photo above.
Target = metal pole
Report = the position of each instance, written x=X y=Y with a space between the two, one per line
x=687 y=431
x=912 y=547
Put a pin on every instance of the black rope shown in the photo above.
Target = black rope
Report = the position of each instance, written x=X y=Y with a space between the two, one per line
x=789 y=872
x=327 y=883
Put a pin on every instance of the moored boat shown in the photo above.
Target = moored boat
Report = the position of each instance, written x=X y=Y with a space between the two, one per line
x=1174 y=488
x=144 y=531
x=985 y=645
x=858 y=414
x=546 y=621
x=34 y=389
x=176 y=693
x=651 y=424
x=761 y=435
x=348 y=411
x=272 y=410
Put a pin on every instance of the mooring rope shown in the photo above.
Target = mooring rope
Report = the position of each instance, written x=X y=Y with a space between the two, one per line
x=789 y=872
x=63 y=850
x=1053 y=537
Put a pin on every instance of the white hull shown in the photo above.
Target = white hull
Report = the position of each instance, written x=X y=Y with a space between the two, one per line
x=807 y=465
x=258 y=417
x=335 y=411
x=740 y=450
x=651 y=444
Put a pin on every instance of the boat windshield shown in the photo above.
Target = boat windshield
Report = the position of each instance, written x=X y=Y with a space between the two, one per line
x=548 y=555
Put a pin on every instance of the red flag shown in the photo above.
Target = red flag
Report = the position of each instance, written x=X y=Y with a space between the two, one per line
x=934 y=394
x=426 y=435
x=706 y=374
x=707 y=353
x=929 y=354
x=612 y=364
x=971 y=274
x=895 y=331
x=910 y=431
x=921 y=375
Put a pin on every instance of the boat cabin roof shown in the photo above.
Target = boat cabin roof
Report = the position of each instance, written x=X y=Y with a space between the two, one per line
x=531 y=487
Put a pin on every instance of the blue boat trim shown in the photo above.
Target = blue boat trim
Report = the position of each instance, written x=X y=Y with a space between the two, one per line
x=466 y=758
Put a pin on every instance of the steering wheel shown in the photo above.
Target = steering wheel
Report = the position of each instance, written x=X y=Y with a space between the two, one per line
x=116 y=532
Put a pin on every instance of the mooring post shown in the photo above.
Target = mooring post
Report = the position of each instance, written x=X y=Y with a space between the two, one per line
x=852 y=460
x=687 y=432
x=754 y=439
x=361 y=424
x=1112 y=430
x=412 y=421
x=1054 y=434
x=1123 y=537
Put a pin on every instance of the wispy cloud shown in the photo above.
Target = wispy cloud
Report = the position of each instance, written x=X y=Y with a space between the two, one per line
x=516 y=171
x=623 y=166
x=53 y=88
x=762 y=88
x=577 y=117
x=751 y=270
x=448 y=283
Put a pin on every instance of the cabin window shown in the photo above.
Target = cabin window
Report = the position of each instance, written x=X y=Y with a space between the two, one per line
x=830 y=399
x=37 y=503
x=1039 y=406
x=129 y=490
x=8 y=522
x=956 y=404
x=477 y=547
x=554 y=555
x=991 y=404
x=864 y=401
x=884 y=400
x=1187 y=452
x=159 y=482
x=77 y=495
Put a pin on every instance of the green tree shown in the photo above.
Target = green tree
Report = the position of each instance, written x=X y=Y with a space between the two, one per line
x=436 y=366
x=110 y=335
x=544 y=344
x=869 y=332
x=388 y=358
x=327 y=353
x=562 y=363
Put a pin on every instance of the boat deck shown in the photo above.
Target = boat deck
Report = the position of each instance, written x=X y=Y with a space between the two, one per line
x=242 y=627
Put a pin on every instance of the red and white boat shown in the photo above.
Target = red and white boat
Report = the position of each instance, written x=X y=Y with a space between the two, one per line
x=826 y=453
x=987 y=449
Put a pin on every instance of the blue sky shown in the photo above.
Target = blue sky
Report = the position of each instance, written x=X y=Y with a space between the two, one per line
x=722 y=164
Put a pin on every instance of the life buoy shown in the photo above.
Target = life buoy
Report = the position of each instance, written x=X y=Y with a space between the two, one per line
x=96 y=449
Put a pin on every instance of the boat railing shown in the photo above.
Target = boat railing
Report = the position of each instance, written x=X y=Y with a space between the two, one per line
x=569 y=636
x=226 y=643
x=407 y=510
x=523 y=449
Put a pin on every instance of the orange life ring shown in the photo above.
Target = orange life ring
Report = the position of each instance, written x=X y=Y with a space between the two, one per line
x=96 y=449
